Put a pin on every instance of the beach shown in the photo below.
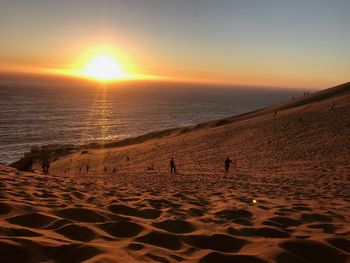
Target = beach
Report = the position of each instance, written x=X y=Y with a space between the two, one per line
x=286 y=201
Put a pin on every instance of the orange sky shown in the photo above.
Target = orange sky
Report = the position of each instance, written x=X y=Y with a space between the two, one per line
x=279 y=44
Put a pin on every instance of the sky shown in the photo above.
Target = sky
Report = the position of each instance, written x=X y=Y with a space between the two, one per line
x=299 y=43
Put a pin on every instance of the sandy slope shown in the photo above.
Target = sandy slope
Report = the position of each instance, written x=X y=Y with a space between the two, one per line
x=298 y=171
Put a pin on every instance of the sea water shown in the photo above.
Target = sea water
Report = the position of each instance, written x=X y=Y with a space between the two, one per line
x=35 y=115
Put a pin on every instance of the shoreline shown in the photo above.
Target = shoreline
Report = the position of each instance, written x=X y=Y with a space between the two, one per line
x=63 y=150
x=130 y=120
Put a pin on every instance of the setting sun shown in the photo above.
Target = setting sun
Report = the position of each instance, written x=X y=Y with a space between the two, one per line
x=104 y=67
x=105 y=63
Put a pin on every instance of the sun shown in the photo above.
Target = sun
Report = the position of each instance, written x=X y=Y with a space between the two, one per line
x=104 y=68
x=103 y=64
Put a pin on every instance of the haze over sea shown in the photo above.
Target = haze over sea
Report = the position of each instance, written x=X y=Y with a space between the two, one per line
x=41 y=114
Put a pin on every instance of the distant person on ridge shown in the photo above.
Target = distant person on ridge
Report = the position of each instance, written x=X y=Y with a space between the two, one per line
x=172 y=166
x=151 y=167
x=45 y=161
x=228 y=163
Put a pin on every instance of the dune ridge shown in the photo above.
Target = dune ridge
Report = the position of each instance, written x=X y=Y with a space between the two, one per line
x=287 y=201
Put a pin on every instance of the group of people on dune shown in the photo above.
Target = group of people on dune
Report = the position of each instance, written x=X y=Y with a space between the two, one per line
x=227 y=164
x=45 y=161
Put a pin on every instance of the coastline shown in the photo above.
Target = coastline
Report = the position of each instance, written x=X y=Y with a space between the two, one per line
x=285 y=200
x=58 y=150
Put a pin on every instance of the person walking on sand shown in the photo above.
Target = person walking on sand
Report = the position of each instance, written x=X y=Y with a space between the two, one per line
x=172 y=166
x=45 y=161
x=228 y=163
x=151 y=167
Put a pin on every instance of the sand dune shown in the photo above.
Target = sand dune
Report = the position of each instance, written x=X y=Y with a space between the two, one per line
x=287 y=201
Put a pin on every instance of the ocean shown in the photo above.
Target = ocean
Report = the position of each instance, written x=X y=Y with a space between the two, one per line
x=40 y=114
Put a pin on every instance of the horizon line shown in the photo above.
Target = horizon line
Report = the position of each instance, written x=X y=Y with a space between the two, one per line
x=168 y=80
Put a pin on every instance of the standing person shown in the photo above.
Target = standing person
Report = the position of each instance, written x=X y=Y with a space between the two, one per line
x=228 y=163
x=151 y=167
x=45 y=161
x=172 y=166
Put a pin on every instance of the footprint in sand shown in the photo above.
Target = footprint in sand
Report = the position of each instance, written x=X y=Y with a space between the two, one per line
x=160 y=239
x=314 y=217
x=282 y=221
x=162 y=203
x=34 y=220
x=135 y=246
x=195 y=212
x=121 y=229
x=268 y=232
x=130 y=211
x=81 y=215
x=239 y=216
x=72 y=253
x=78 y=195
x=18 y=232
x=175 y=226
x=218 y=242
x=327 y=228
x=77 y=232
x=156 y=258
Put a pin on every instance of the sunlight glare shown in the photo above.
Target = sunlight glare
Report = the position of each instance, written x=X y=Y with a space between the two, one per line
x=104 y=67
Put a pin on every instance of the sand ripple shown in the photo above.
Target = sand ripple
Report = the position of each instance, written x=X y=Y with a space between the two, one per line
x=104 y=219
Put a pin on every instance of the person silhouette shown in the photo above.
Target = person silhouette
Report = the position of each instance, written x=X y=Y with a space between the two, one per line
x=45 y=161
x=172 y=166
x=228 y=163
